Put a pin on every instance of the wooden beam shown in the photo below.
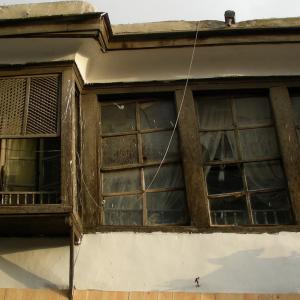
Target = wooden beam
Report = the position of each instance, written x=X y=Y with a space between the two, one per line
x=71 y=267
x=191 y=157
x=68 y=167
x=289 y=144
x=35 y=209
x=230 y=83
x=89 y=126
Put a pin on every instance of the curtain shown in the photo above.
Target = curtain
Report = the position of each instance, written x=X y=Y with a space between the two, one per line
x=255 y=143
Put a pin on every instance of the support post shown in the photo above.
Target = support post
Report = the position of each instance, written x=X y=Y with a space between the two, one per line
x=71 y=267
x=289 y=144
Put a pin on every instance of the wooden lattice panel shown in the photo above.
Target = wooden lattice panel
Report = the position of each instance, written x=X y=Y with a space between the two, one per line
x=12 y=105
x=43 y=104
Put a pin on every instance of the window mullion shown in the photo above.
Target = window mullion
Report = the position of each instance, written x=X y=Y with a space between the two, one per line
x=25 y=117
x=141 y=197
x=288 y=141
x=240 y=157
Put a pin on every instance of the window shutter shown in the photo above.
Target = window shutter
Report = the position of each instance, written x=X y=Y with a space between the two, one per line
x=12 y=105
x=29 y=106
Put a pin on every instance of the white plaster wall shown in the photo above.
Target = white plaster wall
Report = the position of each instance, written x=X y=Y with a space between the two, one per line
x=224 y=262
x=155 y=64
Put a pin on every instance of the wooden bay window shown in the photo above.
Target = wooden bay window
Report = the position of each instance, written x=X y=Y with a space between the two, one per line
x=29 y=140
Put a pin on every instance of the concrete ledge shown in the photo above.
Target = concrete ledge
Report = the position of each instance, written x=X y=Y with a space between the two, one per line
x=61 y=8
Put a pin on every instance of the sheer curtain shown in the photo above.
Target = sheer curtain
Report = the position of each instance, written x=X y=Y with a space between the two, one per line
x=255 y=143
x=217 y=145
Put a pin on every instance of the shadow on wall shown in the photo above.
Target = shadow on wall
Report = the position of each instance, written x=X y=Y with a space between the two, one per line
x=247 y=271
x=20 y=274
x=23 y=276
x=15 y=245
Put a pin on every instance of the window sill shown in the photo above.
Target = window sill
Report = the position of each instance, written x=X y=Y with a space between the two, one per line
x=191 y=229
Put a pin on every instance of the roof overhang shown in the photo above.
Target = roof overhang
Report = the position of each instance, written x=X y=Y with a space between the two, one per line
x=97 y=25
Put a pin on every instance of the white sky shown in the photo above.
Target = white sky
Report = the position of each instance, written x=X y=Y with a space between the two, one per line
x=135 y=11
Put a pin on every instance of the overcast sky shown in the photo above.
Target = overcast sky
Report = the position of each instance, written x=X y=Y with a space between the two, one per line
x=135 y=11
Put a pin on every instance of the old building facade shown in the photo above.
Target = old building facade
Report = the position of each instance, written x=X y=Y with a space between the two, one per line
x=148 y=161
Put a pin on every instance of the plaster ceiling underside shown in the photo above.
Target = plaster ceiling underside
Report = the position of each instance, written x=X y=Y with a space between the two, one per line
x=154 y=64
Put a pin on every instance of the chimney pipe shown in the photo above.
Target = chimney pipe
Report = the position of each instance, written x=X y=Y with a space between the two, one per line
x=229 y=17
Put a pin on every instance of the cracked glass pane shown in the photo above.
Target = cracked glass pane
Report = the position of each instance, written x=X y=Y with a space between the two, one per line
x=157 y=114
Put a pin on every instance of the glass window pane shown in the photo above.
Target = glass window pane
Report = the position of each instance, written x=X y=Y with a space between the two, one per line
x=214 y=113
x=222 y=179
x=155 y=145
x=157 y=114
x=218 y=146
x=258 y=143
x=21 y=148
x=20 y=170
x=271 y=208
x=123 y=210
x=168 y=176
x=229 y=211
x=120 y=150
x=166 y=208
x=268 y=174
x=20 y=175
x=118 y=118
x=121 y=181
x=253 y=111
x=296 y=105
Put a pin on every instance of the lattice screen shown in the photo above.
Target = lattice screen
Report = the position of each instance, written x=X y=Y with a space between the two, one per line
x=42 y=110
x=29 y=106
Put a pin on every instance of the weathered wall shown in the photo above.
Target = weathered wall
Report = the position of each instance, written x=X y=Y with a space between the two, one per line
x=256 y=263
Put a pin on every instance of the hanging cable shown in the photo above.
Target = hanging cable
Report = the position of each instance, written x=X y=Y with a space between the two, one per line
x=179 y=110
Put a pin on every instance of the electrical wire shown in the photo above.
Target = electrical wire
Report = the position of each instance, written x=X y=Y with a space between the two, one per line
x=179 y=110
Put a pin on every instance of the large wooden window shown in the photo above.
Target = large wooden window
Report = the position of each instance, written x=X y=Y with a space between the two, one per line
x=29 y=140
x=234 y=160
x=244 y=177
x=134 y=136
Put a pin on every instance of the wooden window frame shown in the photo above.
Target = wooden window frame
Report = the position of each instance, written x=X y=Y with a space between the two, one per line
x=141 y=164
x=191 y=148
x=236 y=129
